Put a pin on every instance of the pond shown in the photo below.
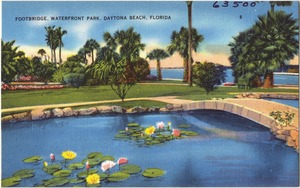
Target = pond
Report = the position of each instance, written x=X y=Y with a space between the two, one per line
x=229 y=150
x=293 y=103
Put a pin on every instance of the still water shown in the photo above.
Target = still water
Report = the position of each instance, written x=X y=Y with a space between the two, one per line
x=178 y=74
x=229 y=150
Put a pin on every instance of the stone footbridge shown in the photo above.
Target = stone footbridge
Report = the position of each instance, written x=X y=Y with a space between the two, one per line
x=257 y=110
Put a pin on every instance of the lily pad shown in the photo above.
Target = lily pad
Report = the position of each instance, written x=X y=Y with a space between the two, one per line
x=103 y=175
x=153 y=172
x=75 y=166
x=32 y=159
x=9 y=182
x=56 y=182
x=94 y=155
x=93 y=162
x=133 y=124
x=153 y=142
x=122 y=136
x=104 y=158
x=76 y=180
x=62 y=173
x=25 y=173
x=84 y=173
x=118 y=176
x=130 y=169
x=188 y=133
x=52 y=168
x=184 y=126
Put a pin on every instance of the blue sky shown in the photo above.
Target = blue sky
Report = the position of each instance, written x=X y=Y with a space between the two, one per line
x=217 y=25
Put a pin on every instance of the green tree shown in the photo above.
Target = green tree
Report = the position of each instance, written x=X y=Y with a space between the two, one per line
x=158 y=54
x=11 y=58
x=92 y=45
x=179 y=43
x=279 y=3
x=130 y=43
x=59 y=33
x=245 y=66
x=275 y=41
x=43 y=71
x=82 y=53
x=121 y=74
x=207 y=75
x=42 y=52
x=52 y=41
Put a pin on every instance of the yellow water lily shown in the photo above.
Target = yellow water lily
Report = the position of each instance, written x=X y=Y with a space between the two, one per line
x=93 y=179
x=45 y=164
x=150 y=130
x=68 y=155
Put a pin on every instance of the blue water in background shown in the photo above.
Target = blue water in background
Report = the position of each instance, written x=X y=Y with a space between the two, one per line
x=229 y=150
x=293 y=103
x=178 y=74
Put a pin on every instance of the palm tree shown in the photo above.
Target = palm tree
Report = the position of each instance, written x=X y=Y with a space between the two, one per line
x=82 y=53
x=179 y=43
x=92 y=45
x=129 y=42
x=50 y=40
x=59 y=34
x=275 y=42
x=279 y=3
x=243 y=60
x=10 y=60
x=42 y=52
x=189 y=5
x=158 y=54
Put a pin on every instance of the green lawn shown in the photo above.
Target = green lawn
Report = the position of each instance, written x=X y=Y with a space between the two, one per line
x=21 y=98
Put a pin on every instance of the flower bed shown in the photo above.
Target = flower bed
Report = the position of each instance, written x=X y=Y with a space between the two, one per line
x=229 y=84
x=29 y=87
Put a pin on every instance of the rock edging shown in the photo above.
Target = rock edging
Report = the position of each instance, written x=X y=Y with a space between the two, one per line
x=287 y=96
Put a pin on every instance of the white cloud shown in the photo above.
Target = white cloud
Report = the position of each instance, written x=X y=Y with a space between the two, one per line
x=81 y=31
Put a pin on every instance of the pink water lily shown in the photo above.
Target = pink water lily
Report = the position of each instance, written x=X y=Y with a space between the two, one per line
x=106 y=165
x=160 y=125
x=122 y=160
x=176 y=132
x=87 y=165
x=52 y=157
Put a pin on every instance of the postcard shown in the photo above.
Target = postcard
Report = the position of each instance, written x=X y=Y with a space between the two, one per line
x=150 y=93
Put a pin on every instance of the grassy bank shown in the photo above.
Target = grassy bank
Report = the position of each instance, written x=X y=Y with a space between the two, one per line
x=19 y=98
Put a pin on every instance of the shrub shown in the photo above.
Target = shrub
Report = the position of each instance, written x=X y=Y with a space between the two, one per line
x=74 y=79
x=141 y=69
x=207 y=75
x=92 y=82
x=285 y=118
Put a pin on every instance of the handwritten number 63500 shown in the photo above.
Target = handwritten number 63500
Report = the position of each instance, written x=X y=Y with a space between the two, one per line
x=233 y=4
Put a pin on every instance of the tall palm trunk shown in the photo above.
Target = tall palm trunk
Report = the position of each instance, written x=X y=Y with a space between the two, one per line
x=54 y=53
x=159 y=75
x=268 y=80
x=186 y=68
x=60 y=60
x=93 y=56
x=257 y=82
x=189 y=4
